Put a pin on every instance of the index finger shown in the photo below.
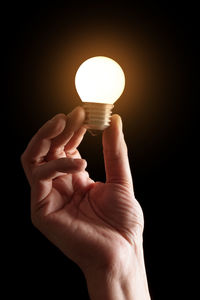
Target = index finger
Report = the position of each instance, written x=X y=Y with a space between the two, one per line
x=71 y=135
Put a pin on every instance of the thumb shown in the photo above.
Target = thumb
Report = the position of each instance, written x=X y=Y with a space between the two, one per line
x=116 y=154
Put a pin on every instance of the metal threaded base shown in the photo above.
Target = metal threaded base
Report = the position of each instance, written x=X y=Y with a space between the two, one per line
x=97 y=115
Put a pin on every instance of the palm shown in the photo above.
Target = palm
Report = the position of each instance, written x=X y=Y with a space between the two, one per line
x=91 y=212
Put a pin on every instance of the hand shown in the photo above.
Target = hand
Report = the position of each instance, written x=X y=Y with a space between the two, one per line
x=97 y=225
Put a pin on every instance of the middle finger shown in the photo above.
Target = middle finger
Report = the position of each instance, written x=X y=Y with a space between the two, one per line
x=74 y=122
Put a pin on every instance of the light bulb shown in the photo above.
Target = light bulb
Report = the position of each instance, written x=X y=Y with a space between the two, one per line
x=99 y=82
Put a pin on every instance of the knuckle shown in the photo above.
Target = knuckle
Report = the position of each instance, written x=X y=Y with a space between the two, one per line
x=23 y=158
x=35 y=219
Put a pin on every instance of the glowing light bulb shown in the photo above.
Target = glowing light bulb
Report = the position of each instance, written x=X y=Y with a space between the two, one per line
x=99 y=82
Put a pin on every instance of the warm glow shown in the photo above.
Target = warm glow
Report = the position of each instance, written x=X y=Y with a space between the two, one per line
x=100 y=79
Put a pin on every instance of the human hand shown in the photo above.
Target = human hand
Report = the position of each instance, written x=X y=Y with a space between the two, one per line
x=97 y=225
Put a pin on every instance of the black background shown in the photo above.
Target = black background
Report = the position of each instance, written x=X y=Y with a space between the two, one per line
x=156 y=45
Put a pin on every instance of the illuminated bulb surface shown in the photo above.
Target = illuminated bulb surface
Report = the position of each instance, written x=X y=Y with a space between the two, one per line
x=99 y=82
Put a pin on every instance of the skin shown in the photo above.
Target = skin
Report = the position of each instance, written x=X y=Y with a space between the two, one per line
x=97 y=225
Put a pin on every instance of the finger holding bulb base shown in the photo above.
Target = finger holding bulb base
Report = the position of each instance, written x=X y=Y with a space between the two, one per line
x=99 y=82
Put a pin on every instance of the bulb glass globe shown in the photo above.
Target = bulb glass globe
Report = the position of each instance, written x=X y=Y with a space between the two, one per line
x=100 y=80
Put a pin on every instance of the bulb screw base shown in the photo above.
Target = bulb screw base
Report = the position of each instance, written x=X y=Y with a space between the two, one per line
x=97 y=115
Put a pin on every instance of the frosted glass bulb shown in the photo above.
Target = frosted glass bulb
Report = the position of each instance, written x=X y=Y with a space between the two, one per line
x=99 y=82
x=100 y=79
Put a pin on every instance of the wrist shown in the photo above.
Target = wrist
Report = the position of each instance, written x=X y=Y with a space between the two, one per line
x=122 y=280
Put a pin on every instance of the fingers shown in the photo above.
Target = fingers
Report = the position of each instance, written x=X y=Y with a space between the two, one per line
x=72 y=134
x=70 y=148
x=40 y=144
x=44 y=174
x=55 y=168
x=115 y=153
x=58 y=137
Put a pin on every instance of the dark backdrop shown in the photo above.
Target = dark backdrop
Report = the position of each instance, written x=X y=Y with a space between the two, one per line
x=156 y=45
